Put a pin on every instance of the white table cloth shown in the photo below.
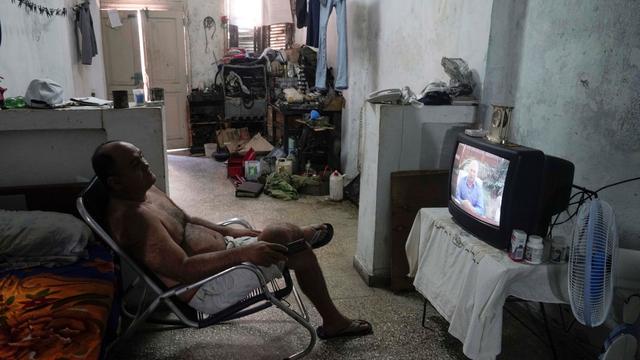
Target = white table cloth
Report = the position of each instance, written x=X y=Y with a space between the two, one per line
x=467 y=280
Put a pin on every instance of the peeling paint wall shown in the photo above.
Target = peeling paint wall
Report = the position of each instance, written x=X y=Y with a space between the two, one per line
x=37 y=46
x=201 y=56
x=577 y=91
x=393 y=44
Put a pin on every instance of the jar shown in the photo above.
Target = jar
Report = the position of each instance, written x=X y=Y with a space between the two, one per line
x=534 y=250
x=558 y=251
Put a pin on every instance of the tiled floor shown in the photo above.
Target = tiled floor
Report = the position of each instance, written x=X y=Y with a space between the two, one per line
x=199 y=186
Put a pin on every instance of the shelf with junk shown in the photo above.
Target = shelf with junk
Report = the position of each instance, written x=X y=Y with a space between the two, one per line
x=267 y=100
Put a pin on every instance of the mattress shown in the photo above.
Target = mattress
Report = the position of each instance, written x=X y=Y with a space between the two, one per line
x=63 y=312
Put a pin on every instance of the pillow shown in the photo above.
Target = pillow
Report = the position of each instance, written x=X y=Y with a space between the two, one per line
x=41 y=238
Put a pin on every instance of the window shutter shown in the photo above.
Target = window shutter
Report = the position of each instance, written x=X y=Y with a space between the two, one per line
x=233 y=36
x=245 y=39
x=278 y=36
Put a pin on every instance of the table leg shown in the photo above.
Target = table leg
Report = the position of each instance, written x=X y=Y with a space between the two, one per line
x=535 y=333
x=548 y=331
x=424 y=312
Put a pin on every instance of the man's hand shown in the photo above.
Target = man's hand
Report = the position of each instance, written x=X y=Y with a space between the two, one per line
x=264 y=253
x=234 y=232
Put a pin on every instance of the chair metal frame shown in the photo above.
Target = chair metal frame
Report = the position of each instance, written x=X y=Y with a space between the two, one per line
x=90 y=205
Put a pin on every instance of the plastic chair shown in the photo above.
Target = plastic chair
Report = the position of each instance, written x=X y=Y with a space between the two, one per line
x=91 y=205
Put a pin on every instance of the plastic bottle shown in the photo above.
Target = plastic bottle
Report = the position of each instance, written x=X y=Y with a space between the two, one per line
x=336 y=185
x=518 y=241
x=307 y=168
x=534 y=251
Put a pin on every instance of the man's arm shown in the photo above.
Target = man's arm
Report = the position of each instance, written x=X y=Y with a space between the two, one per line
x=479 y=206
x=162 y=255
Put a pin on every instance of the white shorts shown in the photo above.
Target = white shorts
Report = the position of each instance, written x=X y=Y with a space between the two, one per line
x=222 y=292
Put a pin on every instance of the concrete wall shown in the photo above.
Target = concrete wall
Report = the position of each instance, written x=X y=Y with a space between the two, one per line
x=575 y=68
x=37 y=46
x=393 y=44
x=55 y=146
x=201 y=68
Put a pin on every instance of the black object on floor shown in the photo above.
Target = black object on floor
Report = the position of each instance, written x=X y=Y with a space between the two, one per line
x=249 y=189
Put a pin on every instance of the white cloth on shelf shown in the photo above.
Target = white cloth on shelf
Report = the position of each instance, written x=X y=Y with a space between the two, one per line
x=467 y=280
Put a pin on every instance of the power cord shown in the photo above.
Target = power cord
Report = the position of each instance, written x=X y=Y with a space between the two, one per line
x=585 y=195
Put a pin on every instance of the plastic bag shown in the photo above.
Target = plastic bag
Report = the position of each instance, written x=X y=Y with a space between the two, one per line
x=435 y=93
x=461 y=82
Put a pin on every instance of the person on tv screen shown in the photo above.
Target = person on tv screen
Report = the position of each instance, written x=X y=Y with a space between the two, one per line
x=469 y=189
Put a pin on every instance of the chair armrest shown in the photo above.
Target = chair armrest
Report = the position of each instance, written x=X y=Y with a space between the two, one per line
x=238 y=221
x=181 y=289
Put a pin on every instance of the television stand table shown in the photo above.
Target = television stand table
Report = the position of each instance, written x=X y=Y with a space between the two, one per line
x=467 y=281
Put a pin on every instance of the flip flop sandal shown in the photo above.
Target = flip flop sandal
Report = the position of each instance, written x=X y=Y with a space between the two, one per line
x=322 y=236
x=356 y=328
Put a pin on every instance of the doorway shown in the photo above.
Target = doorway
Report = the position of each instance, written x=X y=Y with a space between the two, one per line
x=146 y=51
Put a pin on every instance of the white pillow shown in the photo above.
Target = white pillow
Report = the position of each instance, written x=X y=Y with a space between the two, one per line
x=33 y=238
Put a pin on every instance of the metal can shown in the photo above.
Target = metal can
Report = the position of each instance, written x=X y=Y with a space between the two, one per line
x=558 y=251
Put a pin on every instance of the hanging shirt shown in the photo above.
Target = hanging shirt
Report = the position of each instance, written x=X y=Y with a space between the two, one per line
x=313 y=23
x=301 y=13
x=88 y=44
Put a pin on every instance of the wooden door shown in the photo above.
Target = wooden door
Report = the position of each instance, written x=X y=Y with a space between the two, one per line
x=166 y=68
x=122 y=53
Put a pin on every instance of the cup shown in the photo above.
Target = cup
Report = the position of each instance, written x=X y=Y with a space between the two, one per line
x=157 y=94
x=138 y=96
x=120 y=99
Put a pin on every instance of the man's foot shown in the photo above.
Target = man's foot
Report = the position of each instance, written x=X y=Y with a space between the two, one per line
x=355 y=328
x=318 y=235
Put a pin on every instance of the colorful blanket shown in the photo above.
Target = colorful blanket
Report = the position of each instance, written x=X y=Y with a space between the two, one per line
x=58 y=313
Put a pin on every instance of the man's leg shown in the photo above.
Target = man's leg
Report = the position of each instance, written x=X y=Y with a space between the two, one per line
x=309 y=275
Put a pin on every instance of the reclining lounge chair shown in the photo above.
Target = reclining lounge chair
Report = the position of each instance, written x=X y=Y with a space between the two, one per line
x=91 y=205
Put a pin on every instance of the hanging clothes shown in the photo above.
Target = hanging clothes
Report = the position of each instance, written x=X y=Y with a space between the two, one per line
x=313 y=23
x=301 y=13
x=342 y=78
x=88 y=44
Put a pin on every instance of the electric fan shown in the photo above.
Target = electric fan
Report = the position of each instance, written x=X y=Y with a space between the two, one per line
x=591 y=263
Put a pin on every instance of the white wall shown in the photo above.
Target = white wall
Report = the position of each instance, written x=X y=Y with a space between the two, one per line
x=37 y=46
x=397 y=43
x=571 y=69
x=202 y=70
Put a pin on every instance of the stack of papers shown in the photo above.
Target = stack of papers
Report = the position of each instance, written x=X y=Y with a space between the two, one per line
x=91 y=101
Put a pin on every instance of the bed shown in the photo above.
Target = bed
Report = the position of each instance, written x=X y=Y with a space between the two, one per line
x=57 y=312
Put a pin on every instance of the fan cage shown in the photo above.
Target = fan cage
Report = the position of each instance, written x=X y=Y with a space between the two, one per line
x=591 y=261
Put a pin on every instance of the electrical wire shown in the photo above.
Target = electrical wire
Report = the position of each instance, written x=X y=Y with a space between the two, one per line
x=585 y=195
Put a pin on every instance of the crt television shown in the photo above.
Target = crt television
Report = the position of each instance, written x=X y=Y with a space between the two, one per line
x=495 y=188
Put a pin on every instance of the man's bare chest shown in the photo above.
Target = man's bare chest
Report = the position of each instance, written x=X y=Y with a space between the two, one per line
x=171 y=217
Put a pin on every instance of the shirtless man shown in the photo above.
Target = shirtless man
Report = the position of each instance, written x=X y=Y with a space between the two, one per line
x=182 y=249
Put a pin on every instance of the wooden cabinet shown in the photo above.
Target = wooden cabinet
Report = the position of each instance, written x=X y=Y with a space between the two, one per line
x=411 y=191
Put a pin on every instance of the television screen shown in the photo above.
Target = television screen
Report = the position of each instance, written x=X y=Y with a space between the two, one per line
x=477 y=183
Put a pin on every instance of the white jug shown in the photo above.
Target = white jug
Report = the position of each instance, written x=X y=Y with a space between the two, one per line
x=336 y=185
x=284 y=166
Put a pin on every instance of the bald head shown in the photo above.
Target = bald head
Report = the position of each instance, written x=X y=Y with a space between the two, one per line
x=472 y=170
x=122 y=167
x=103 y=161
